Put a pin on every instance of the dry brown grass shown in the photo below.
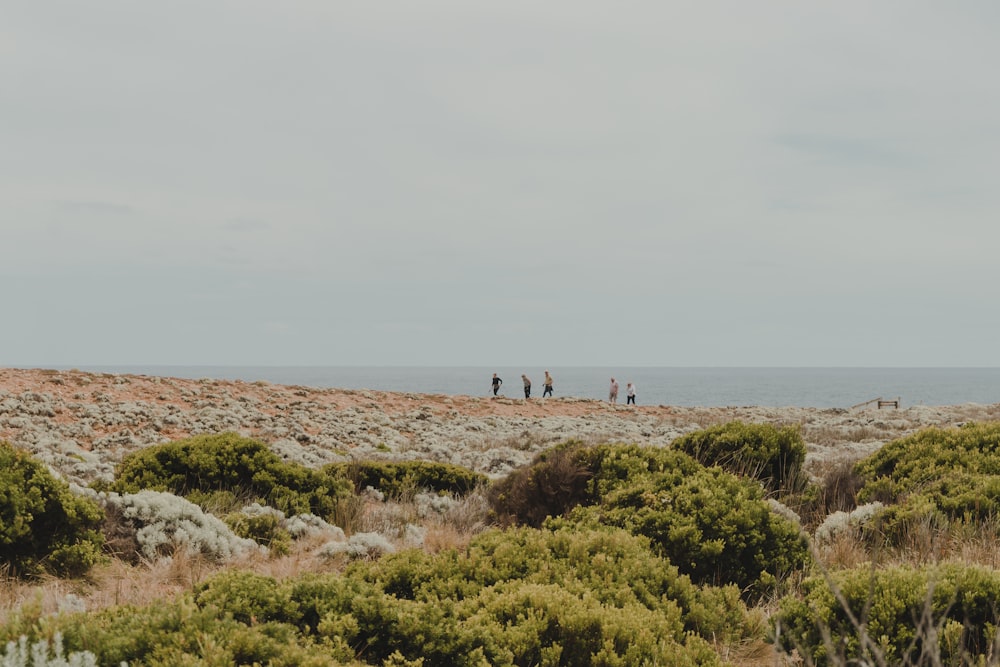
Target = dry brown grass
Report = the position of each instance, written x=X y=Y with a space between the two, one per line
x=142 y=583
x=828 y=435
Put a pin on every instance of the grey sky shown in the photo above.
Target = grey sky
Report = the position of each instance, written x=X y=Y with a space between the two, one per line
x=499 y=183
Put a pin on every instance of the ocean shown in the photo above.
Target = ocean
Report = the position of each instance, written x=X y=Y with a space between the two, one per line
x=681 y=386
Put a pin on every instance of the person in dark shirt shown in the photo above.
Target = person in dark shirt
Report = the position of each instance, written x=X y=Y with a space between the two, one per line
x=527 y=385
x=496 y=384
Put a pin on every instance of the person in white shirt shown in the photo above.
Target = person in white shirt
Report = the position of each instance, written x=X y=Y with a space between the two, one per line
x=613 y=392
x=630 y=394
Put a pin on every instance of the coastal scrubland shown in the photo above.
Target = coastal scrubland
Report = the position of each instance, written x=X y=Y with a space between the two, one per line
x=158 y=521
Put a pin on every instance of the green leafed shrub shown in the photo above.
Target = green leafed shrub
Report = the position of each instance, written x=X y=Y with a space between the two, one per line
x=935 y=475
x=182 y=632
x=605 y=564
x=517 y=597
x=714 y=526
x=937 y=615
x=230 y=463
x=263 y=528
x=250 y=598
x=404 y=478
x=556 y=481
x=770 y=454
x=44 y=527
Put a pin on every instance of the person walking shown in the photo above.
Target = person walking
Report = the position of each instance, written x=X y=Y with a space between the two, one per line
x=613 y=392
x=548 y=385
x=630 y=394
x=496 y=384
x=527 y=385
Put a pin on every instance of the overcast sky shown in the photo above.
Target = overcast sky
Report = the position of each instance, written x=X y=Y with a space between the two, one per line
x=500 y=183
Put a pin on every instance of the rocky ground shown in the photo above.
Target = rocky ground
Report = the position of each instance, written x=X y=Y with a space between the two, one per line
x=83 y=423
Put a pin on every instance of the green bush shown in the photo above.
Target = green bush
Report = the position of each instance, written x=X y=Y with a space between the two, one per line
x=938 y=615
x=556 y=481
x=407 y=477
x=182 y=632
x=935 y=475
x=605 y=564
x=264 y=529
x=517 y=597
x=770 y=454
x=249 y=598
x=228 y=462
x=44 y=527
x=714 y=526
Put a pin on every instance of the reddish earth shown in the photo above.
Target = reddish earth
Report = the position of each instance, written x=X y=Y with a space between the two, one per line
x=91 y=387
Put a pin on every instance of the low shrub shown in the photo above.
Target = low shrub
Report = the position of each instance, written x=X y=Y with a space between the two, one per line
x=266 y=528
x=773 y=455
x=23 y=654
x=935 y=475
x=556 y=481
x=230 y=463
x=163 y=523
x=714 y=526
x=250 y=598
x=936 y=615
x=604 y=563
x=405 y=478
x=44 y=527
x=517 y=597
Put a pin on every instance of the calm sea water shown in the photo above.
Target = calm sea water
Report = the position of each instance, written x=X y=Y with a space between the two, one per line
x=804 y=387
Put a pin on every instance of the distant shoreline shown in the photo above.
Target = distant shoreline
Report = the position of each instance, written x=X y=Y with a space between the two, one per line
x=679 y=386
x=82 y=423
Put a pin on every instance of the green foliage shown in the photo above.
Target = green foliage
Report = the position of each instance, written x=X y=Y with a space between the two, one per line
x=407 y=477
x=605 y=564
x=554 y=483
x=181 y=632
x=264 y=529
x=716 y=527
x=770 y=454
x=250 y=598
x=44 y=527
x=934 y=615
x=935 y=475
x=517 y=597
x=230 y=463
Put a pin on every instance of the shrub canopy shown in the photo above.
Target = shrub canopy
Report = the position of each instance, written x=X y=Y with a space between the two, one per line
x=44 y=527
x=773 y=455
x=935 y=474
x=406 y=477
x=714 y=526
x=230 y=463
x=935 y=615
x=517 y=597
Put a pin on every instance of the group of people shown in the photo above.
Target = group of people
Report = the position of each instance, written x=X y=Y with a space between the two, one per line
x=612 y=392
x=527 y=385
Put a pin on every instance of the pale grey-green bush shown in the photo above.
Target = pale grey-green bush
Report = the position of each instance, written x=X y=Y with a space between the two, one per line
x=854 y=523
x=23 y=654
x=359 y=545
x=165 y=523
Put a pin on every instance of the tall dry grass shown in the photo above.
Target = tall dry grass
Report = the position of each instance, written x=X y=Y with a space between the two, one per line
x=141 y=582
